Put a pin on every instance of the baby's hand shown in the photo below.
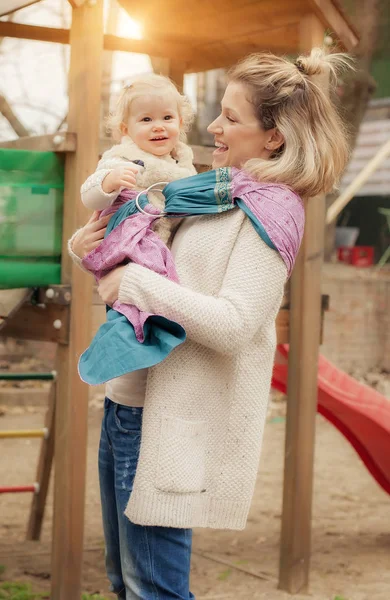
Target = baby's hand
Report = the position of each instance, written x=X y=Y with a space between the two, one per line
x=119 y=177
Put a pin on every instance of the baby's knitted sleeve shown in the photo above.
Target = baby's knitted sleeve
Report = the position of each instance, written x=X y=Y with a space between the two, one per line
x=252 y=287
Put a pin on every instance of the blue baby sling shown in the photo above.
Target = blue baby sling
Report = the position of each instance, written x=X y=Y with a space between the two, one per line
x=115 y=351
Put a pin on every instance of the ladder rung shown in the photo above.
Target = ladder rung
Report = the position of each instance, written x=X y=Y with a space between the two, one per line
x=28 y=376
x=25 y=433
x=14 y=489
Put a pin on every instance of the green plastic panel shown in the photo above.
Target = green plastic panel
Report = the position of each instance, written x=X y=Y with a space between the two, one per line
x=31 y=208
x=16 y=273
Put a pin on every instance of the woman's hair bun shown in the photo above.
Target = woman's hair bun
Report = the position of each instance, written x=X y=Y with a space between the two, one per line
x=319 y=61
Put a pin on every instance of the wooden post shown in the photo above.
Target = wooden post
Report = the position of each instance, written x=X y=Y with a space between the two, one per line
x=305 y=328
x=86 y=40
x=43 y=471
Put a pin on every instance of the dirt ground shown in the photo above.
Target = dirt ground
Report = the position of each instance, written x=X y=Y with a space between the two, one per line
x=351 y=523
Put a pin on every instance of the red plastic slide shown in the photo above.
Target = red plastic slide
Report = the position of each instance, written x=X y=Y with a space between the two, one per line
x=360 y=413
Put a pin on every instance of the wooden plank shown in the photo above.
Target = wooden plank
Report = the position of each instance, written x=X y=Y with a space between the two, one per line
x=11 y=301
x=333 y=18
x=111 y=42
x=33 y=32
x=305 y=332
x=32 y=322
x=43 y=471
x=63 y=141
x=67 y=142
x=164 y=48
x=86 y=40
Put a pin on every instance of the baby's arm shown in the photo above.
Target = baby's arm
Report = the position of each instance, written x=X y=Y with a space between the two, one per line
x=102 y=188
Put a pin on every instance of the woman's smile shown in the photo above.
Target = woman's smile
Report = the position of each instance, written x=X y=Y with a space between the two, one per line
x=220 y=148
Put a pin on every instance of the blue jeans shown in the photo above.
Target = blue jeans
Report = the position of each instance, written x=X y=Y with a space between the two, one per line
x=143 y=563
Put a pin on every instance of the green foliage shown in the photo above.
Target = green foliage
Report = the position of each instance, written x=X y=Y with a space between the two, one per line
x=340 y=598
x=11 y=590
x=224 y=575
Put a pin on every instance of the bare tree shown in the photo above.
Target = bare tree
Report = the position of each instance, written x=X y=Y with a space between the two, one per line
x=6 y=110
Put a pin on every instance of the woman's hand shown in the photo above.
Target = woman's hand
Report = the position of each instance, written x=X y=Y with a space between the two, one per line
x=108 y=287
x=90 y=236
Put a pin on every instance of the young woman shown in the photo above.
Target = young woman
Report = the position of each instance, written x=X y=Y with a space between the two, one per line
x=201 y=411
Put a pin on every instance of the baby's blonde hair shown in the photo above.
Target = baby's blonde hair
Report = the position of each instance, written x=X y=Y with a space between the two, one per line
x=141 y=85
x=286 y=95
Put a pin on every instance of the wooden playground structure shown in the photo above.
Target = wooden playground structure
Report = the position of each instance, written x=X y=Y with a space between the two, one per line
x=200 y=36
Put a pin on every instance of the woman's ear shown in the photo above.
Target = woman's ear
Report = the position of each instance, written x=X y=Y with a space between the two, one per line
x=275 y=141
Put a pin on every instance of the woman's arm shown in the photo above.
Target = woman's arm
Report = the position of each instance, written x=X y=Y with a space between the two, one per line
x=252 y=287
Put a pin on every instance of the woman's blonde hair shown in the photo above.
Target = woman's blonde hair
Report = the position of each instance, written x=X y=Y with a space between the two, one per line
x=287 y=95
x=144 y=84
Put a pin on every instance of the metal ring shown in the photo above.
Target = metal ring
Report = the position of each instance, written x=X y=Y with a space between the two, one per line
x=163 y=183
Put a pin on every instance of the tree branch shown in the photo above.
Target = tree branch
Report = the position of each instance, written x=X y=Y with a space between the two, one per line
x=8 y=113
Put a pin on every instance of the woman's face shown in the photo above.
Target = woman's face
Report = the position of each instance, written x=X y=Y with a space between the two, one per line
x=237 y=132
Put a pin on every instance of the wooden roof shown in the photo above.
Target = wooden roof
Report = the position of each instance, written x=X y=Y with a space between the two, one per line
x=206 y=34
x=216 y=33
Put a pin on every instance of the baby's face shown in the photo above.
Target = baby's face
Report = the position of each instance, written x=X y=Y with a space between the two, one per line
x=154 y=123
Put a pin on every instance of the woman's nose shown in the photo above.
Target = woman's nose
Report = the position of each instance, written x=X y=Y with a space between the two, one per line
x=215 y=128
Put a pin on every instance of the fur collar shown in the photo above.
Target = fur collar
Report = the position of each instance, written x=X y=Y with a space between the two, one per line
x=182 y=154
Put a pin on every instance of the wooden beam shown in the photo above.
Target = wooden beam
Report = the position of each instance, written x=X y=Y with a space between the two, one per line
x=33 y=32
x=86 y=41
x=151 y=47
x=63 y=141
x=32 y=322
x=67 y=142
x=111 y=42
x=305 y=332
x=334 y=19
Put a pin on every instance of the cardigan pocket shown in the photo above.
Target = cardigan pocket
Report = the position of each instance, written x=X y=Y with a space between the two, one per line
x=182 y=452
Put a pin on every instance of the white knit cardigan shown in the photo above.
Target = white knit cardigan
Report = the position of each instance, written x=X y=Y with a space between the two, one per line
x=206 y=404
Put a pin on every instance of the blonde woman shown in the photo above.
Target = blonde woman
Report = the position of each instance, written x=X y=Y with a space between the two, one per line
x=202 y=410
